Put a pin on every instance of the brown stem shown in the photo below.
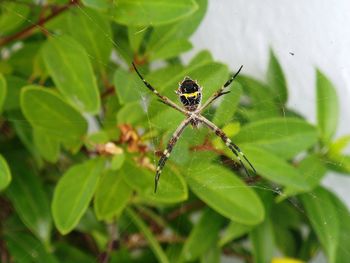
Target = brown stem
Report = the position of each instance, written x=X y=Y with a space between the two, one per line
x=26 y=32
x=109 y=91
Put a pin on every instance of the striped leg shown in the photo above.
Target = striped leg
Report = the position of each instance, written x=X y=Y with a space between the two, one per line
x=162 y=98
x=168 y=150
x=233 y=147
x=220 y=92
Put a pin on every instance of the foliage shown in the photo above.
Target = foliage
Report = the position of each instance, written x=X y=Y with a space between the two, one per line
x=80 y=136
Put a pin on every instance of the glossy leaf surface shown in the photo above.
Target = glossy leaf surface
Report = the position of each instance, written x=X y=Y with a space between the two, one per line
x=69 y=66
x=327 y=106
x=60 y=121
x=152 y=12
x=74 y=192
x=282 y=136
x=225 y=193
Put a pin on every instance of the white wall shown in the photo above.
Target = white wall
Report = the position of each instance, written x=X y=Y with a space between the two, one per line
x=316 y=31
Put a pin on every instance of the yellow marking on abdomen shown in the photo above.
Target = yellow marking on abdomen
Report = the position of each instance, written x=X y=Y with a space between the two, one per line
x=194 y=94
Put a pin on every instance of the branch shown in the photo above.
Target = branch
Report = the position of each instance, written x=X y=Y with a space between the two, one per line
x=26 y=32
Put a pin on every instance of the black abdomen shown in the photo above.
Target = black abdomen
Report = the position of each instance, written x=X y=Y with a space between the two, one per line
x=191 y=101
x=190 y=94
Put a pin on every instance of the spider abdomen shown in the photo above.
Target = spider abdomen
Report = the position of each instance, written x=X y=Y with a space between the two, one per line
x=191 y=100
x=190 y=94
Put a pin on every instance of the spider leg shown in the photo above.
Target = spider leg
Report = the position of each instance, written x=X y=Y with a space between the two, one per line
x=233 y=147
x=164 y=99
x=169 y=148
x=220 y=92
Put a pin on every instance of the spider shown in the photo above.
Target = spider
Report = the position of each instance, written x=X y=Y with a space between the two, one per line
x=190 y=95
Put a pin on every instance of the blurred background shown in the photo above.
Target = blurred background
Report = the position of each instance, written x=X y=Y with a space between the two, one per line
x=303 y=35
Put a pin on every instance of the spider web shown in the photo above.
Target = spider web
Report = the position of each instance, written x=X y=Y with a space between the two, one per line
x=194 y=136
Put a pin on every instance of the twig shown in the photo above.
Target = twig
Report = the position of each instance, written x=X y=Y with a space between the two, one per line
x=26 y=32
x=107 y=92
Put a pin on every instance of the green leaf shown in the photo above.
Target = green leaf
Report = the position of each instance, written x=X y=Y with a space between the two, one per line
x=47 y=112
x=153 y=243
x=339 y=163
x=128 y=86
x=94 y=34
x=24 y=132
x=327 y=107
x=262 y=100
x=5 y=173
x=12 y=16
x=337 y=146
x=99 y=137
x=23 y=59
x=203 y=235
x=47 y=147
x=202 y=57
x=160 y=76
x=152 y=12
x=131 y=113
x=29 y=199
x=225 y=111
x=14 y=85
x=117 y=161
x=213 y=255
x=343 y=248
x=136 y=35
x=167 y=119
x=69 y=66
x=276 y=80
x=66 y=252
x=101 y=5
x=275 y=168
x=225 y=193
x=111 y=106
x=163 y=36
x=112 y=195
x=171 y=188
x=263 y=242
x=323 y=216
x=284 y=137
x=312 y=169
x=287 y=240
x=74 y=192
x=24 y=248
x=233 y=230
x=3 y=91
x=170 y=50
